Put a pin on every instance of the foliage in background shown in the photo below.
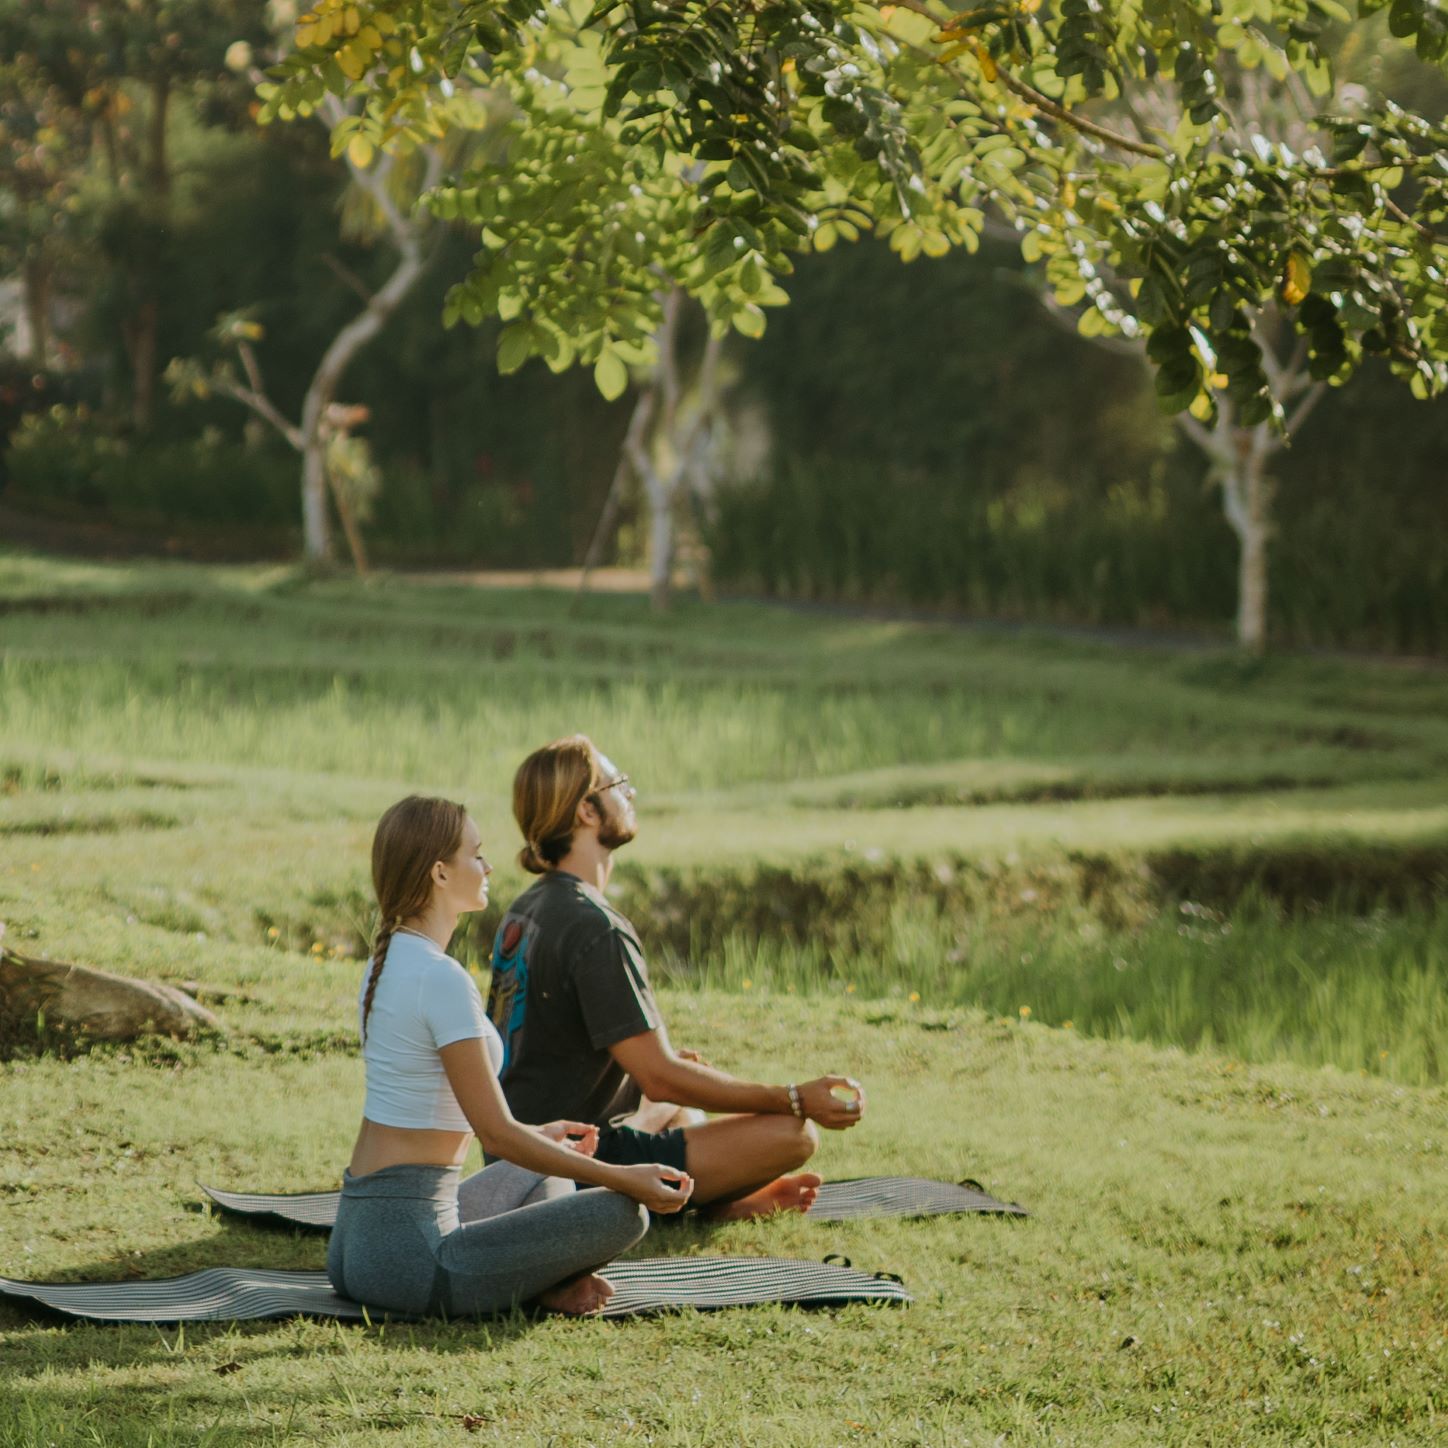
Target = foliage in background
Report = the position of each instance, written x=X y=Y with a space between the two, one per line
x=96 y=96
x=64 y=461
x=1025 y=475
x=700 y=147
x=961 y=451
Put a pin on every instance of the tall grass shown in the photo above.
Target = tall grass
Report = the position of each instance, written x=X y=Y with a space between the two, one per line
x=436 y=684
x=1366 y=993
x=298 y=707
x=1346 y=570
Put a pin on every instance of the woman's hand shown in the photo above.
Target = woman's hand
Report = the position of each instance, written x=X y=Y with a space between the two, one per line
x=660 y=1188
x=835 y=1112
x=578 y=1135
x=694 y=1056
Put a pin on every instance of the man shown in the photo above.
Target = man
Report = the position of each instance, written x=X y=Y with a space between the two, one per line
x=583 y=1037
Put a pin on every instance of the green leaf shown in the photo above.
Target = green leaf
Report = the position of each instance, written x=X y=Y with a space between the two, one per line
x=749 y=320
x=610 y=375
x=515 y=346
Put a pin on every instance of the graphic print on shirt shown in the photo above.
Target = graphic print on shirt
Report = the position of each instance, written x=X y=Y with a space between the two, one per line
x=508 y=997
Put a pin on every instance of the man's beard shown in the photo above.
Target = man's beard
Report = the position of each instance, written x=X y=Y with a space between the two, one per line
x=614 y=832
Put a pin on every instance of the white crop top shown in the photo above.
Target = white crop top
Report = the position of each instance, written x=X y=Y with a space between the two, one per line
x=424 y=1001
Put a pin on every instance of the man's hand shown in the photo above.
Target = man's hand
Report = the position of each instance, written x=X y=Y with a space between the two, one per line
x=835 y=1102
x=579 y=1135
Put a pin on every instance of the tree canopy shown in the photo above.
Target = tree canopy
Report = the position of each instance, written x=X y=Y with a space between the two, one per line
x=694 y=144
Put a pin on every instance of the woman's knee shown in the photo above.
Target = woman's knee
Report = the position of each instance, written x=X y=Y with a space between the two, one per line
x=623 y=1219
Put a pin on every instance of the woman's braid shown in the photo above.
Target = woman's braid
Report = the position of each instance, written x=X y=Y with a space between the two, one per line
x=385 y=931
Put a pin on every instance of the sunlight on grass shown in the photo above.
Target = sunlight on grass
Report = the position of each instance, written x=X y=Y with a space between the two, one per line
x=1153 y=943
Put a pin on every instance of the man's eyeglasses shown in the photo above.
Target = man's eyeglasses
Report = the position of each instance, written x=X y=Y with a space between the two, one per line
x=621 y=782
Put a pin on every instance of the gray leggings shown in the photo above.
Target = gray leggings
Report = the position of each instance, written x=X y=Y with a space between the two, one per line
x=411 y=1239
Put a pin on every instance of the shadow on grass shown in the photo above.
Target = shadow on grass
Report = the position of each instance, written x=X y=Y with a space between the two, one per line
x=273 y=1246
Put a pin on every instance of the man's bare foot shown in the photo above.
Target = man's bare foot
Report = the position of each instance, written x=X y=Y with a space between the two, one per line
x=784 y=1194
x=578 y=1297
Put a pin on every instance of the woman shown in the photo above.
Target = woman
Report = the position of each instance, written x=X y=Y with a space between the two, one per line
x=408 y=1236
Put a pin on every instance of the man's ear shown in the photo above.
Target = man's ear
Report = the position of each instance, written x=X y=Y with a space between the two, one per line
x=587 y=815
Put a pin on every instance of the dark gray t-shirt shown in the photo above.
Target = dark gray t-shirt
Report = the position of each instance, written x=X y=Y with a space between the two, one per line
x=569 y=981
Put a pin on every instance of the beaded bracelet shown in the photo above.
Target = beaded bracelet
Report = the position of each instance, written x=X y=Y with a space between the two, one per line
x=795 y=1104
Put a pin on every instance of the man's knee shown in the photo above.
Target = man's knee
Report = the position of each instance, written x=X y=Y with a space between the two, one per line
x=802 y=1139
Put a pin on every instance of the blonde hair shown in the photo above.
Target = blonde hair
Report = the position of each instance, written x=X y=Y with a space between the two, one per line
x=410 y=839
x=547 y=789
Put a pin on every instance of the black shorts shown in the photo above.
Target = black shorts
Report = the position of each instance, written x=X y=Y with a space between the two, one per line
x=624 y=1146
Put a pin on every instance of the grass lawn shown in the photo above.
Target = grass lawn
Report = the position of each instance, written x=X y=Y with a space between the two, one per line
x=962 y=842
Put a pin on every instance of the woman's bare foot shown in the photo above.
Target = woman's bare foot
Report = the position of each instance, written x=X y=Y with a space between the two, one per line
x=784 y=1194
x=578 y=1297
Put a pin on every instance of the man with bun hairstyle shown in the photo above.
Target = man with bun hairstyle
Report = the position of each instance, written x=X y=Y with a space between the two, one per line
x=582 y=1035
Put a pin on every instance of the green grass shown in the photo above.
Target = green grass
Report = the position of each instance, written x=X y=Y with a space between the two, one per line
x=1268 y=1240
x=1222 y=874
x=1365 y=994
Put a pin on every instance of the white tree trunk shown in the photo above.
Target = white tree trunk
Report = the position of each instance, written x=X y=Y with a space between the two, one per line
x=661 y=541
x=407 y=233
x=316 y=529
x=1252 y=581
x=1247 y=501
x=316 y=523
x=663 y=448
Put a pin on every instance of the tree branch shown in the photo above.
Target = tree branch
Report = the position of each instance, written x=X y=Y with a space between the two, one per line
x=637 y=426
x=347 y=276
x=1203 y=436
x=1303 y=410
x=1426 y=232
x=373 y=179
x=262 y=405
x=1049 y=107
x=1029 y=93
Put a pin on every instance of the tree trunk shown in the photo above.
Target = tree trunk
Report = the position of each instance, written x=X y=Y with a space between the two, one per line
x=666 y=458
x=316 y=524
x=658 y=490
x=1247 y=501
x=142 y=349
x=661 y=542
x=36 y=280
x=316 y=531
x=310 y=438
x=146 y=323
x=638 y=427
x=1252 y=590
x=158 y=171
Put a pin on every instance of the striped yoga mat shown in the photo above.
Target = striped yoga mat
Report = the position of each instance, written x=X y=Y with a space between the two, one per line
x=838 y=1201
x=644 y=1285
